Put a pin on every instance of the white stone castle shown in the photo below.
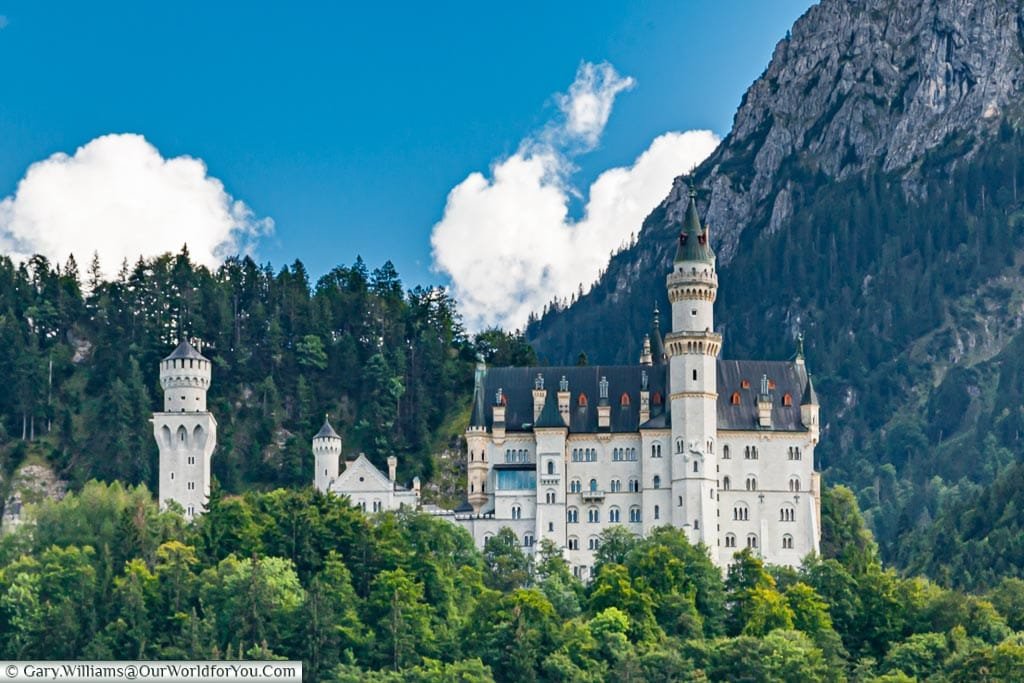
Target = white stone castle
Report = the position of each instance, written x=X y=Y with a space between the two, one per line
x=723 y=450
x=185 y=432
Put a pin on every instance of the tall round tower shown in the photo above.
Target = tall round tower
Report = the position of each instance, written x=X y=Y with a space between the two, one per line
x=185 y=432
x=692 y=349
x=327 y=456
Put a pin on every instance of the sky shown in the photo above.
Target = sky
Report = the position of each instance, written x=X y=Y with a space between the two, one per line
x=499 y=149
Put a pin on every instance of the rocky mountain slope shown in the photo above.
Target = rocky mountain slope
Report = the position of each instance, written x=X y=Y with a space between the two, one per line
x=866 y=196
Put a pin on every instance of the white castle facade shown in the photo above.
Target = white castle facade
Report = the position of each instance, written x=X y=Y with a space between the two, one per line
x=723 y=450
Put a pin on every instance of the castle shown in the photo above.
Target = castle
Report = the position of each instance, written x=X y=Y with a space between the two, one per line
x=723 y=450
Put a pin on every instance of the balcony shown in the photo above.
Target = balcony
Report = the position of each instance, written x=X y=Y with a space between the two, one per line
x=593 y=494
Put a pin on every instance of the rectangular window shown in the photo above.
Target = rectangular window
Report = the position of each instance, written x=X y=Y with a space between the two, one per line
x=516 y=480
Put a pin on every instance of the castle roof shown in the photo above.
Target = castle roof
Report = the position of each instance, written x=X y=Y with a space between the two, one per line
x=810 y=397
x=517 y=386
x=186 y=351
x=658 y=355
x=549 y=415
x=740 y=377
x=327 y=431
x=693 y=239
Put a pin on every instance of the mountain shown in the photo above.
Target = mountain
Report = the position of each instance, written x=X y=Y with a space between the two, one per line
x=866 y=196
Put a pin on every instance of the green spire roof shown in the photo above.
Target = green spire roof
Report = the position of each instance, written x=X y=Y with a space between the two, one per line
x=693 y=239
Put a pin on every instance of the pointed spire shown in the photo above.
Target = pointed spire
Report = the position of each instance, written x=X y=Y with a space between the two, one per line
x=327 y=431
x=185 y=350
x=549 y=415
x=810 y=397
x=658 y=356
x=479 y=416
x=693 y=239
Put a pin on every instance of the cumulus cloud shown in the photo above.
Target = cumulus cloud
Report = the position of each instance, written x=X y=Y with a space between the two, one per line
x=507 y=240
x=118 y=196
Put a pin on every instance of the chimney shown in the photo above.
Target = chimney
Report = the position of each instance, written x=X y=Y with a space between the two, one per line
x=539 y=394
x=498 y=422
x=764 y=405
x=563 y=399
x=645 y=354
x=604 y=409
x=645 y=398
x=392 y=468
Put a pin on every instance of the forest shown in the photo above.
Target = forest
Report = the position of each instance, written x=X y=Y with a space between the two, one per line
x=80 y=355
x=404 y=596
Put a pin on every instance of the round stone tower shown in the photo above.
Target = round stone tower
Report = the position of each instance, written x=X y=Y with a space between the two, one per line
x=185 y=378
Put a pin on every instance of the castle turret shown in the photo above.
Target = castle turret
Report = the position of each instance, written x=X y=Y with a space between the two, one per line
x=327 y=447
x=692 y=349
x=476 y=443
x=185 y=432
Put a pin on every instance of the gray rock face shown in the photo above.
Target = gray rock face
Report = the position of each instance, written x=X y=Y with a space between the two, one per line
x=857 y=86
x=860 y=83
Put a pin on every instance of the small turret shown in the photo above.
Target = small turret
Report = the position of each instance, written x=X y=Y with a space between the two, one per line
x=809 y=407
x=604 y=408
x=327 y=446
x=645 y=352
x=392 y=468
x=764 y=405
x=658 y=355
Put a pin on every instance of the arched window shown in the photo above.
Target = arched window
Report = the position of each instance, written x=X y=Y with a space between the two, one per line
x=616 y=485
x=551 y=466
x=730 y=540
x=614 y=515
x=575 y=486
x=624 y=400
x=751 y=483
x=787 y=542
x=593 y=485
x=752 y=541
x=657 y=512
x=549 y=497
x=726 y=484
x=517 y=512
x=572 y=516
x=593 y=543
x=787 y=400
x=528 y=540
x=787 y=513
x=735 y=398
x=740 y=513
x=696 y=465
x=593 y=515
x=679 y=445
x=634 y=513
x=573 y=543
x=657 y=482
x=656 y=398
x=634 y=486
x=182 y=435
x=582 y=400
x=794 y=483
x=745 y=384
x=725 y=453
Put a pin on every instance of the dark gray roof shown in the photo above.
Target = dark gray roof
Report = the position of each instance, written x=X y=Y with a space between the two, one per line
x=549 y=415
x=185 y=350
x=464 y=506
x=478 y=417
x=327 y=431
x=658 y=356
x=517 y=387
x=789 y=378
x=810 y=397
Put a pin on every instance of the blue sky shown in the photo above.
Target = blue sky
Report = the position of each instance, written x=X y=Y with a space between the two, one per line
x=348 y=125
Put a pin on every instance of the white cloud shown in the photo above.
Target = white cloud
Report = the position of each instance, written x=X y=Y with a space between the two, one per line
x=118 y=196
x=507 y=241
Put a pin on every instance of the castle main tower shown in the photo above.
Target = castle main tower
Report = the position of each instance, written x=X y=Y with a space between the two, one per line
x=692 y=349
x=185 y=432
